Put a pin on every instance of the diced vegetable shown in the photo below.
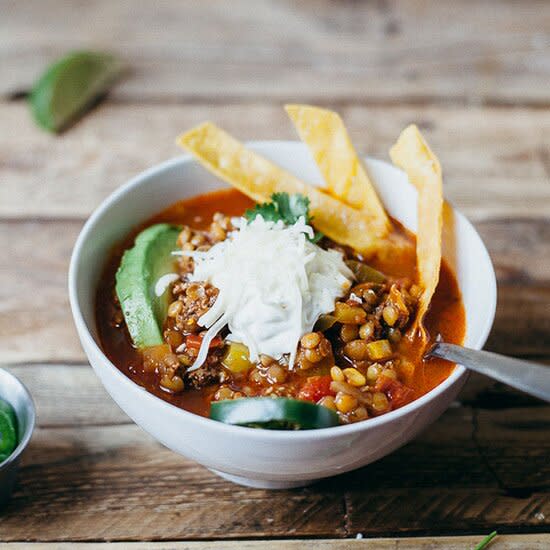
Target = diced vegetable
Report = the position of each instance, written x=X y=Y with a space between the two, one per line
x=364 y=273
x=237 y=358
x=324 y=322
x=154 y=356
x=315 y=388
x=194 y=341
x=397 y=392
x=278 y=413
x=379 y=350
x=353 y=315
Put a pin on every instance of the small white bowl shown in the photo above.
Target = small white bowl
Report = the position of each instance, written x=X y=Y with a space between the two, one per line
x=264 y=458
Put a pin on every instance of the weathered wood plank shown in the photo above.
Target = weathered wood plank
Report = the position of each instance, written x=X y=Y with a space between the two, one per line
x=90 y=475
x=69 y=395
x=496 y=161
x=504 y=542
x=391 y=51
x=35 y=318
x=117 y=483
x=495 y=444
x=36 y=324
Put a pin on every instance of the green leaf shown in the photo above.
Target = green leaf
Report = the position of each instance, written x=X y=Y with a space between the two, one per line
x=317 y=237
x=292 y=207
x=268 y=211
x=485 y=542
x=287 y=208
x=70 y=86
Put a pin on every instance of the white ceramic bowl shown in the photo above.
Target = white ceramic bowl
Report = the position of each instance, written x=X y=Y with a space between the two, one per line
x=263 y=458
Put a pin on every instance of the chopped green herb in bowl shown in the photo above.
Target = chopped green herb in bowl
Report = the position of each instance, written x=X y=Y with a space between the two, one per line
x=286 y=208
x=8 y=430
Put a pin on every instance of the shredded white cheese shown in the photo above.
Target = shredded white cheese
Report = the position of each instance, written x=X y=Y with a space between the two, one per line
x=273 y=285
x=164 y=282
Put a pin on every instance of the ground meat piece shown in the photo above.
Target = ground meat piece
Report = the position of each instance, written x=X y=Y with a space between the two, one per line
x=395 y=311
x=219 y=228
x=196 y=298
x=208 y=374
x=369 y=295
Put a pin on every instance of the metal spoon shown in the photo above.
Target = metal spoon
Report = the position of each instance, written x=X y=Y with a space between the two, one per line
x=523 y=375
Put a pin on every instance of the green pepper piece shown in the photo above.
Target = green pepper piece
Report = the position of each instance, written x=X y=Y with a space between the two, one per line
x=325 y=322
x=279 y=413
x=364 y=273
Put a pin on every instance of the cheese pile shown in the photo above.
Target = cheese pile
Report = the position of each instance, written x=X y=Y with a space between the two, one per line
x=273 y=284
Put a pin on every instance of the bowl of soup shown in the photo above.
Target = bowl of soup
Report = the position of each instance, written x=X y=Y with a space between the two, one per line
x=261 y=346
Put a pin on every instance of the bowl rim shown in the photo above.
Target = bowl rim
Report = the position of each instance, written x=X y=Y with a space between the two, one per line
x=29 y=429
x=141 y=178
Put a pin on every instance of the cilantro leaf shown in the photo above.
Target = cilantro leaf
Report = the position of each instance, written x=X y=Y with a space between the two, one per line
x=317 y=237
x=268 y=211
x=291 y=207
x=284 y=207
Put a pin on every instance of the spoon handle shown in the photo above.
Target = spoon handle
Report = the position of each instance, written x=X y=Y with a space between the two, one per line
x=525 y=376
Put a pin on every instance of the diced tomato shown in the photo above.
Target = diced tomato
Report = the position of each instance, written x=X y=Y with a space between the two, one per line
x=397 y=392
x=195 y=340
x=315 y=388
x=400 y=395
x=383 y=383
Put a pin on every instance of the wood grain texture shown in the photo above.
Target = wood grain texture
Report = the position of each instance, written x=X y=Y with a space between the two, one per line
x=69 y=396
x=473 y=75
x=504 y=542
x=396 y=50
x=36 y=324
x=496 y=161
x=473 y=470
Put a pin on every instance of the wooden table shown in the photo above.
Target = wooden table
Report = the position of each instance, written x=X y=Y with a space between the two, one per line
x=474 y=75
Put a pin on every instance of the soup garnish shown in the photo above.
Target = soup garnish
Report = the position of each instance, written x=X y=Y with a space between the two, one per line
x=302 y=311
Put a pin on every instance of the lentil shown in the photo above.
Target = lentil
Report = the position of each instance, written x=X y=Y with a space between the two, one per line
x=357 y=350
x=354 y=377
x=336 y=374
x=345 y=403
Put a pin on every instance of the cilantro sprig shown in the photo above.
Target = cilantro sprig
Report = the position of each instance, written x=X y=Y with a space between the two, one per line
x=284 y=207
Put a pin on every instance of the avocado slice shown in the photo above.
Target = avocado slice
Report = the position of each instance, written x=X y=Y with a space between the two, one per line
x=140 y=268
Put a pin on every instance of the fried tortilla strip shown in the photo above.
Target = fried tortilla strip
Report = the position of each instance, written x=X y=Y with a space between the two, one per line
x=413 y=155
x=327 y=138
x=259 y=178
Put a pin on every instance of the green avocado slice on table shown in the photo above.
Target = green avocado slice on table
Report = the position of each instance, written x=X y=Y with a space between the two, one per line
x=140 y=268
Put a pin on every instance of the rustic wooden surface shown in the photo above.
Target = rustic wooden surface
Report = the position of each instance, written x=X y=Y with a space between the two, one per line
x=473 y=74
x=504 y=542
